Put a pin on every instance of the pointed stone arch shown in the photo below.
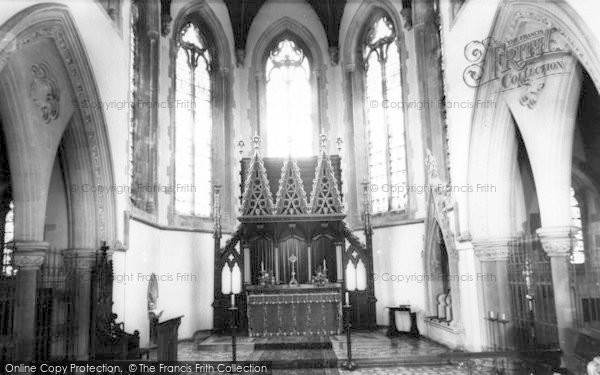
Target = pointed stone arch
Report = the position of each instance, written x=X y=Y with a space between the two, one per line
x=491 y=134
x=81 y=127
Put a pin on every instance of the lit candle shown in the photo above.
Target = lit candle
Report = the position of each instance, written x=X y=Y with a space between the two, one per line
x=232 y=300
x=347 y=299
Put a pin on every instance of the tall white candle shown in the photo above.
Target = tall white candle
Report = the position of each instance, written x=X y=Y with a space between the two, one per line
x=232 y=300
x=262 y=266
x=324 y=265
x=347 y=298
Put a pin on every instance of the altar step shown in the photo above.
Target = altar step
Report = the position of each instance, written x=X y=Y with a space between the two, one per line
x=320 y=355
x=294 y=343
x=311 y=353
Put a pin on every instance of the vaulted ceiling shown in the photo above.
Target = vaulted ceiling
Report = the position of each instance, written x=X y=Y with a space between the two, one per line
x=242 y=13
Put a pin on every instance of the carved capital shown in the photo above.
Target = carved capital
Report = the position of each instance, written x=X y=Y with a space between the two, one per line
x=491 y=250
x=240 y=57
x=557 y=241
x=29 y=255
x=334 y=55
x=80 y=259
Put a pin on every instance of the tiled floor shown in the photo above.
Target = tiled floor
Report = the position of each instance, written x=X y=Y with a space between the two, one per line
x=374 y=353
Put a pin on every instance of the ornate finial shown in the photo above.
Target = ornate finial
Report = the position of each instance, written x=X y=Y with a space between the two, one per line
x=323 y=141
x=256 y=142
x=365 y=184
x=217 y=210
x=339 y=141
x=367 y=205
x=241 y=145
x=431 y=164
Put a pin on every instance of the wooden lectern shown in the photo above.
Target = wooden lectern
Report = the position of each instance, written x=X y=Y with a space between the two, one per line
x=167 y=339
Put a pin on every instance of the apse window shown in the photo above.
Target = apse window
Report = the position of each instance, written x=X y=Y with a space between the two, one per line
x=289 y=101
x=193 y=127
x=385 y=122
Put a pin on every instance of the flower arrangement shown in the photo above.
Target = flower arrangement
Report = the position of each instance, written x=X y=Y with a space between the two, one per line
x=320 y=277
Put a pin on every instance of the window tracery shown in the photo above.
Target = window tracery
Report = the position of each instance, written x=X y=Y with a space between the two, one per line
x=385 y=118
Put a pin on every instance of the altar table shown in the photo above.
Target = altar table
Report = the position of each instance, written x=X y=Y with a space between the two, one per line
x=283 y=310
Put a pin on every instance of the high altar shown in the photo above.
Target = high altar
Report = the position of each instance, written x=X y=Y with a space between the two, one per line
x=291 y=251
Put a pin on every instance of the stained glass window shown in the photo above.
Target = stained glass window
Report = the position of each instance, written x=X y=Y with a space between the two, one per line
x=289 y=108
x=578 y=253
x=9 y=230
x=193 y=127
x=385 y=118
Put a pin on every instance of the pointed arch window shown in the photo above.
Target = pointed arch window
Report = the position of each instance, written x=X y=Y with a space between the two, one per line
x=385 y=118
x=289 y=101
x=578 y=251
x=193 y=124
x=7 y=252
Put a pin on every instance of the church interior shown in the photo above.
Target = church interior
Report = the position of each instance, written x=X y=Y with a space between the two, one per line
x=323 y=186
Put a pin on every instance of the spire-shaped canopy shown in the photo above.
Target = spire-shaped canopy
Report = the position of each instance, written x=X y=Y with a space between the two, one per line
x=291 y=198
x=257 y=199
x=325 y=197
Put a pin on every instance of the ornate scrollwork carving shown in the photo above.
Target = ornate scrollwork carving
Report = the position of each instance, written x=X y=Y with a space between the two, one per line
x=492 y=250
x=28 y=261
x=44 y=92
x=557 y=241
x=442 y=202
x=334 y=55
x=531 y=93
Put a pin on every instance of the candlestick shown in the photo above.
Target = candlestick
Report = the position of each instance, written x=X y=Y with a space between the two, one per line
x=347 y=299
x=232 y=300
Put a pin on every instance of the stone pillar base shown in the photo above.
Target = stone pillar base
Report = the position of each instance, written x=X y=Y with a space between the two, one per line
x=28 y=258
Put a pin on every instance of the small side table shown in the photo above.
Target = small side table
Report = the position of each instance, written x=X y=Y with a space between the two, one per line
x=393 y=331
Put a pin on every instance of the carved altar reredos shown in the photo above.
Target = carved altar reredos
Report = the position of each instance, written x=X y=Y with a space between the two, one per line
x=293 y=216
x=291 y=203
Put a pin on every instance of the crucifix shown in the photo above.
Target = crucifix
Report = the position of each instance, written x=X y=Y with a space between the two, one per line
x=293 y=259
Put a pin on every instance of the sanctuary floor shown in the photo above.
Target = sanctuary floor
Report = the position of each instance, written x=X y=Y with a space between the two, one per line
x=373 y=352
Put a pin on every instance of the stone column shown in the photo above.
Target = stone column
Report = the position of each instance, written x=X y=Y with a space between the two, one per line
x=80 y=263
x=557 y=242
x=28 y=258
x=492 y=280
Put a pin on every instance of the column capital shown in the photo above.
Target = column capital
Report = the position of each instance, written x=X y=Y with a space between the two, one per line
x=557 y=241
x=81 y=259
x=492 y=249
x=29 y=255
